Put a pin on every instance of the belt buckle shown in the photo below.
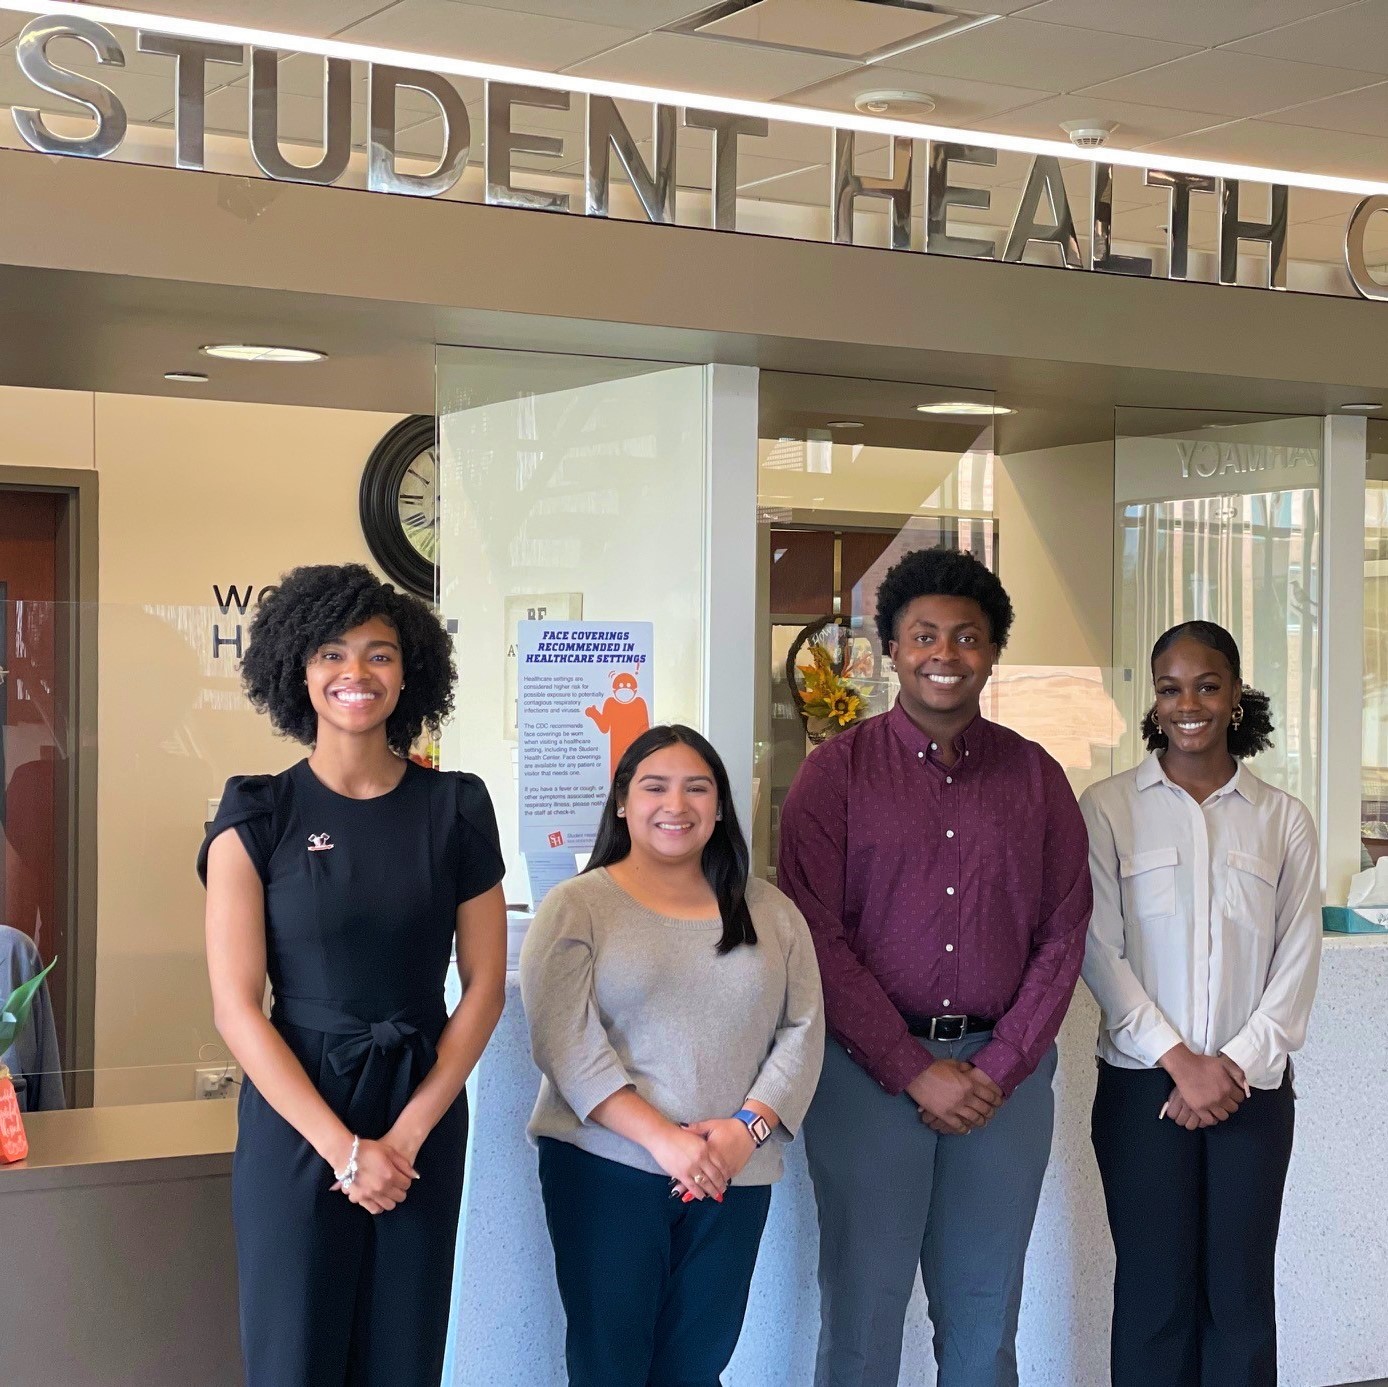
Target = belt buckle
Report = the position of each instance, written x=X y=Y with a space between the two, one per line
x=935 y=1022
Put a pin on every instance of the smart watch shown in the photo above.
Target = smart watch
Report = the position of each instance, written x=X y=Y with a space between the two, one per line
x=755 y=1123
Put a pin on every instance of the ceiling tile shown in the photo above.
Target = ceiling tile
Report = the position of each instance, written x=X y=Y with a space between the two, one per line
x=317 y=18
x=982 y=7
x=773 y=180
x=625 y=14
x=1285 y=146
x=685 y=62
x=957 y=101
x=1196 y=22
x=300 y=117
x=1375 y=234
x=1313 y=204
x=833 y=26
x=1364 y=112
x=1136 y=125
x=302 y=75
x=1319 y=241
x=1356 y=36
x=486 y=34
x=1235 y=84
x=1017 y=52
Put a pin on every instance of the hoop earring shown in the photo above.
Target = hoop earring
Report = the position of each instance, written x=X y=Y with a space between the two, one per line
x=1236 y=717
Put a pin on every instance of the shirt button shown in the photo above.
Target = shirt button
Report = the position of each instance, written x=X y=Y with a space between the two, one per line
x=949 y=948
x=949 y=833
x=949 y=780
x=949 y=890
x=920 y=756
x=934 y=746
x=946 y=1001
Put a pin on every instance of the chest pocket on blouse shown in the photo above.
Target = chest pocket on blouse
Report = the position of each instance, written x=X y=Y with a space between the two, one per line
x=1149 y=883
x=1250 y=893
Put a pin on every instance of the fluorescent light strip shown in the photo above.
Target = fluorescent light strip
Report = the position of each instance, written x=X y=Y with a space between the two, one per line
x=630 y=91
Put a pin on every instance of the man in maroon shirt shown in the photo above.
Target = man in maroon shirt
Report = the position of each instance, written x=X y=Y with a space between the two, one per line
x=942 y=864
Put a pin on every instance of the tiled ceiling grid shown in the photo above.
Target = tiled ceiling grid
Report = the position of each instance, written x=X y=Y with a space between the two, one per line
x=1299 y=84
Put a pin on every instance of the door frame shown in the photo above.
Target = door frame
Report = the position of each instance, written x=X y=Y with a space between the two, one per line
x=77 y=585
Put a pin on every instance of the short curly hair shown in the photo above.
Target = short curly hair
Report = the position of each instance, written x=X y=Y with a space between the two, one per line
x=318 y=603
x=947 y=573
x=1254 y=732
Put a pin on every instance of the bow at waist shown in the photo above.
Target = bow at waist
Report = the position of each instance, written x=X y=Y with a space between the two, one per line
x=382 y=1061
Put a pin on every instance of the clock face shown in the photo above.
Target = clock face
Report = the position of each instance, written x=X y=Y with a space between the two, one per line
x=417 y=504
x=399 y=505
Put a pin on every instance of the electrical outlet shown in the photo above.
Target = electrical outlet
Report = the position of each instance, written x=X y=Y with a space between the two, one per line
x=214 y=1083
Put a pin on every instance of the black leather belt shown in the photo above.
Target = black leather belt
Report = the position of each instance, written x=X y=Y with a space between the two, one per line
x=949 y=1027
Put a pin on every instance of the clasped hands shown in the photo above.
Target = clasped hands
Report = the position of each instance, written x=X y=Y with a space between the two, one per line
x=954 y=1097
x=385 y=1172
x=703 y=1158
x=1209 y=1088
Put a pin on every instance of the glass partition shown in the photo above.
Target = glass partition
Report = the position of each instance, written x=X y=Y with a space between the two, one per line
x=126 y=1013
x=1218 y=517
x=1374 y=792
x=853 y=474
x=572 y=490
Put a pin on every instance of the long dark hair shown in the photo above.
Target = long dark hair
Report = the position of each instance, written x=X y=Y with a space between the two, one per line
x=1254 y=734
x=726 y=861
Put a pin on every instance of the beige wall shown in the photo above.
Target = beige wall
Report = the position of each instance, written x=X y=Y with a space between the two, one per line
x=193 y=493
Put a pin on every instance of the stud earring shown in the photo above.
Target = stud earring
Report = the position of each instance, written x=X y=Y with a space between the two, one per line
x=719 y=816
x=1236 y=718
x=621 y=813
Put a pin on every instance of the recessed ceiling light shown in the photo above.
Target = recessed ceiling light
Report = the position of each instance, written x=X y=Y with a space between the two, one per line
x=186 y=377
x=1364 y=407
x=845 y=424
x=244 y=351
x=894 y=103
x=962 y=407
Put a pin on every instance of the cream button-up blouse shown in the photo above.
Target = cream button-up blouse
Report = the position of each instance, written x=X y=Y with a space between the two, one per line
x=1207 y=924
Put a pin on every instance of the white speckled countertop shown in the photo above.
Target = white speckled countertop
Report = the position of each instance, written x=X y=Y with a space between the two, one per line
x=1333 y=1256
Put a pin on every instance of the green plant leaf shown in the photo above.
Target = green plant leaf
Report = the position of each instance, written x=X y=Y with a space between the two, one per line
x=15 y=1011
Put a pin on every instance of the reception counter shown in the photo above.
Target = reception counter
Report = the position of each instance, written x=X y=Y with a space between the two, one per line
x=118 y=1260
x=1333 y=1258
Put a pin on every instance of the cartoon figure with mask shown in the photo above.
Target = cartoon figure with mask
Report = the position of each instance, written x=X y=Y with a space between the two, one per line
x=624 y=717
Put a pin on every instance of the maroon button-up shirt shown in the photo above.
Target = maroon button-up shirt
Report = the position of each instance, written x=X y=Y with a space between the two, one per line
x=934 y=890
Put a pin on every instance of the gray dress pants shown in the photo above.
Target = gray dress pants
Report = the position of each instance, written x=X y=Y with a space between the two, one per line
x=892 y=1196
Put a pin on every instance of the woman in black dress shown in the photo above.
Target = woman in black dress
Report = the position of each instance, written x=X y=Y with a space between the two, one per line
x=346 y=880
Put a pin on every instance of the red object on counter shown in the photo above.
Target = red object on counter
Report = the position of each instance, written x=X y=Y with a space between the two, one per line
x=14 y=1145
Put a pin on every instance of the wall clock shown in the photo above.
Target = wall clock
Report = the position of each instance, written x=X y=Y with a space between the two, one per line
x=400 y=505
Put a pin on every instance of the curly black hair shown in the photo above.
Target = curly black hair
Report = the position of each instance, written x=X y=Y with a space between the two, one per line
x=948 y=573
x=318 y=603
x=1254 y=733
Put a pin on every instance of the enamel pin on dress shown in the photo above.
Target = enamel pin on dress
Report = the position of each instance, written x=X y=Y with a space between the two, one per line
x=320 y=842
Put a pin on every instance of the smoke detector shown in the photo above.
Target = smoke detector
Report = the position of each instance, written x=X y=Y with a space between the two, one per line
x=894 y=103
x=1089 y=134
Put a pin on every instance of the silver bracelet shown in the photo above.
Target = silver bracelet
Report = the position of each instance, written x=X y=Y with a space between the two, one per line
x=348 y=1173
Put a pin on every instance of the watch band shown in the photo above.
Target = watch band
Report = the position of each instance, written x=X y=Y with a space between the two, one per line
x=756 y=1124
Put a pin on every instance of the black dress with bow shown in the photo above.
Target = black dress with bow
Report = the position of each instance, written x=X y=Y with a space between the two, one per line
x=361 y=902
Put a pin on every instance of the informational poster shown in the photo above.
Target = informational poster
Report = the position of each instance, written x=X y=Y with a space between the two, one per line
x=530 y=606
x=583 y=696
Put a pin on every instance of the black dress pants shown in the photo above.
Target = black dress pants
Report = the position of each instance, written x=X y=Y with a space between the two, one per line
x=654 y=1290
x=1194 y=1217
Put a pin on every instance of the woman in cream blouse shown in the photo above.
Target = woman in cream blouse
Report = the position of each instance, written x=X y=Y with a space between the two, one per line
x=1203 y=953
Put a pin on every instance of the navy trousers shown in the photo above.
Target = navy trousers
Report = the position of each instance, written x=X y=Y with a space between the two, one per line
x=654 y=1290
x=1194 y=1218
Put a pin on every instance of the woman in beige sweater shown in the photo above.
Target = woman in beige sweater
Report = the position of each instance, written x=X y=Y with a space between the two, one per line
x=675 y=1013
